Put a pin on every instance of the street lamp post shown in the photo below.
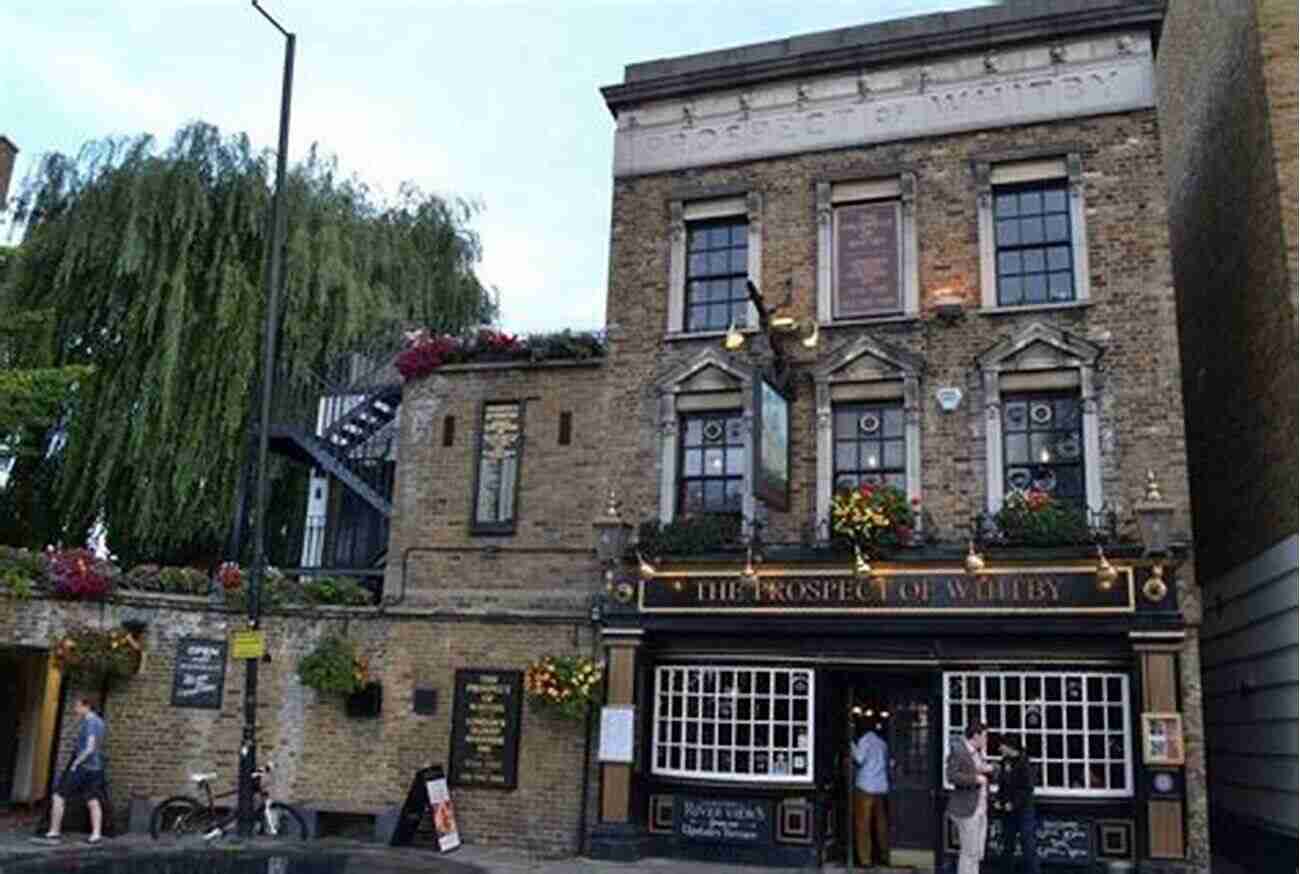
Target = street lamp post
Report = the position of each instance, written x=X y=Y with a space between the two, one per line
x=248 y=745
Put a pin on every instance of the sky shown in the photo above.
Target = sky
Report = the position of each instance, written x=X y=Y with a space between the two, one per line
x=496 y=102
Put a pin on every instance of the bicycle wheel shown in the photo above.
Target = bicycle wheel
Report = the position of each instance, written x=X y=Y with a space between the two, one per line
x=281 y=822
x=180 y=817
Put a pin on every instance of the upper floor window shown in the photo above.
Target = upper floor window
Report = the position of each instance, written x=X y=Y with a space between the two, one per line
x=1032 y=232
x=497 y=472
x=1034 y=260
x=712 y=463
x=870 y=445
x=1042 y=444
x=716 y=269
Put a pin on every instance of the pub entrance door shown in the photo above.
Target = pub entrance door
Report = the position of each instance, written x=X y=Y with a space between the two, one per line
x=900 y=708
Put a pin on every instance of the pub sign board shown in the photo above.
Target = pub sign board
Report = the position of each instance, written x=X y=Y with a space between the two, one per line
x=943 y=591
x=199 y=676
x=737 y=821
x=771 y=455
x=485 y=728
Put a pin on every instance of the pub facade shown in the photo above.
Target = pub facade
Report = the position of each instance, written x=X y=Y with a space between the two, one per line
x=926 y=260
x=932 y=256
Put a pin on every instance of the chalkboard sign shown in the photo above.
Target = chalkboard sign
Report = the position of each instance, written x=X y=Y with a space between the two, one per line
x=200 y=673
x=744 y=821
x=485 y=728
x=1060 y=841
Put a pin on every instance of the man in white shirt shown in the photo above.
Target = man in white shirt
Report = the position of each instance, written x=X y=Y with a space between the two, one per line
x=870 y=794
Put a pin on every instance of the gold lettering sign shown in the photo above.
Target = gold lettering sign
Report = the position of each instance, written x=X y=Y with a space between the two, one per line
x=1049 y=590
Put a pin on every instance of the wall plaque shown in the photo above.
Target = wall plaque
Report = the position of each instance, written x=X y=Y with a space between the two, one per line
x=485 y=728
x=1045 y=590
x=199 y=675
x=867 y=249
x=746 y=821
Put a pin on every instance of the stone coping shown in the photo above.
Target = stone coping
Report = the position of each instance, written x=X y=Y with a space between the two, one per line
x=520 y=365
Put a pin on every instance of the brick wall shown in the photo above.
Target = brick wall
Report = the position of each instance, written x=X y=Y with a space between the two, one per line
x=1132 y=315
x=1227 y=80
x=319 y=752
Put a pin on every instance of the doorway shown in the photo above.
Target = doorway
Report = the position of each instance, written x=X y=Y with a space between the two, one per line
x=899 y=707
x=30 y=682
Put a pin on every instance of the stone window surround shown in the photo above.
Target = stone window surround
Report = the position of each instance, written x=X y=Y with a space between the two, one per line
x=898 y=185
x=902 y=379
x=720 y=203
x=1075 y=368
x=1030 y=165
x=676 y=397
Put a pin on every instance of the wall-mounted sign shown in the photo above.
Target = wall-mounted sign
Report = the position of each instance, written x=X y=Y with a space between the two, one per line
x=616 y=734
x=745 y=821
x=1162 y=739
x=868 y=251
x=485 y=728
x=771 y=456
x=949 y=398
x=1045 y=590
x=199 y=675
x=247 y=644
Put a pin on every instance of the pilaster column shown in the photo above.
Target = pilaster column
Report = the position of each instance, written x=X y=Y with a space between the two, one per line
x=1165 y=837
x=618 y=837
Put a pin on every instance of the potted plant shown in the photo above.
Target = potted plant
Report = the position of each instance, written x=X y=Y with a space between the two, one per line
x=874 y=519
x=335 y=667
x=563 y=685
x=98 y=659
x=78 y=575
x=1035 y=518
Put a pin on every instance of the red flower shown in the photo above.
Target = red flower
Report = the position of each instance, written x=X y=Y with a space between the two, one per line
x=916 y=502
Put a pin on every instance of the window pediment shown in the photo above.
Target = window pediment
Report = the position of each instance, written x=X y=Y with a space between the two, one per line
x=866 y=360
x=1040 y=347
x=709 y=371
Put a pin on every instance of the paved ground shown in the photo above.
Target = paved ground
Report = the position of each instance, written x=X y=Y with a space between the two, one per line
x=138 y=853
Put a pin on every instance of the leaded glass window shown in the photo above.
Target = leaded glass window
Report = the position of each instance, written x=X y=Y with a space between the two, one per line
x=713 y=462
x=1074 y=726
x=870 y=445
x=1042 y=443
x=500 y=442
x=717 y=267
x=1032 y=226
x=734 y=723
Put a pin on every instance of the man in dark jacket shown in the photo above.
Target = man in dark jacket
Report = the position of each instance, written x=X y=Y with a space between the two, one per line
x=1019 y=817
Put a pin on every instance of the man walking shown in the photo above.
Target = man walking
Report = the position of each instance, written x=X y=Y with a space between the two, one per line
x=870 y=796
x=968 y=804
x=84 y=777
x=1016 y=788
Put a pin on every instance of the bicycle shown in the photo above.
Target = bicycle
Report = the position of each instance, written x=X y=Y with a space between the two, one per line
x=185 y=817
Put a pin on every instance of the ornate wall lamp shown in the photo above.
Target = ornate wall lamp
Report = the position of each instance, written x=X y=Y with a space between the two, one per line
x=1154 y=514
x=612 y=535
x=772 y=327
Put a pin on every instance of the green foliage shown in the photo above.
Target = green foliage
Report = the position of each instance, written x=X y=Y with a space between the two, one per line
x=342 y=591
x=167 y=580
x=152 y=262
x=690 y=535
x=95 y=658
x=1034 y=518
x=333 y=666
x=565 y=685
x=16 y=585
x=276 y=591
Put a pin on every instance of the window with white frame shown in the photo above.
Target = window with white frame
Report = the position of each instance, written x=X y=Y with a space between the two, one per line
x=870 y=445
x=734 y=723
x=716 y=245
x=1074 y=726
x=1032 y=232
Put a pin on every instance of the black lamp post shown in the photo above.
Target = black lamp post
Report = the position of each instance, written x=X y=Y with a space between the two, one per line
x=248 y=744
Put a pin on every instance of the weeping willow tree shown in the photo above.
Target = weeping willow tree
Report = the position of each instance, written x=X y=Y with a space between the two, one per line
x=153 y=260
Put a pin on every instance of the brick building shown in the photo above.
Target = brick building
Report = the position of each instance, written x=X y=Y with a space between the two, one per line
x=958 y=231
x=1227 y=95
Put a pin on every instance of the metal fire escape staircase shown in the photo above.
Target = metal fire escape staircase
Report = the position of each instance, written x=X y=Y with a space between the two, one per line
x=350 y=414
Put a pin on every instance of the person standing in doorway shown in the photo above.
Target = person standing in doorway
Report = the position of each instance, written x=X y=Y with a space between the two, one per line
x=870 y=798
x=84 y=776
x=1020 y=818
x=968 y=804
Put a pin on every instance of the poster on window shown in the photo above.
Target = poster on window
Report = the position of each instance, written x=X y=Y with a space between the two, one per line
x=444 y=814
x=867 y=257
x=771 y=474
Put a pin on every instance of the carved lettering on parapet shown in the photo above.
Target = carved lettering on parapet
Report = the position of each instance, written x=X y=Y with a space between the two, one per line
x=864 y=88
x=744 y=107
x=1058 y=53
x=688 y=116
x=801 y=97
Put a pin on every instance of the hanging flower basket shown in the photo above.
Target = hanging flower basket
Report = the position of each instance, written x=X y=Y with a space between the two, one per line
x=874 y=518
x=334 y=666
x=94 y=658
x=564 y=685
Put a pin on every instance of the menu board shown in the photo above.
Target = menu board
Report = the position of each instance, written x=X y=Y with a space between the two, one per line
x=866 y=259
x=485 y=728
x=724 y=820
x=199 y=674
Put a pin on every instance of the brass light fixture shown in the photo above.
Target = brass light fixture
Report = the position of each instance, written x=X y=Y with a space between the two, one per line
x=974 y=561
x=612 y=533
x=734 y=339
x=750 y=573
x=770 y=324
x=645 y=568
x=861 y=567
x=1106 y=572
x=1153 y=516
x=1155 y=588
